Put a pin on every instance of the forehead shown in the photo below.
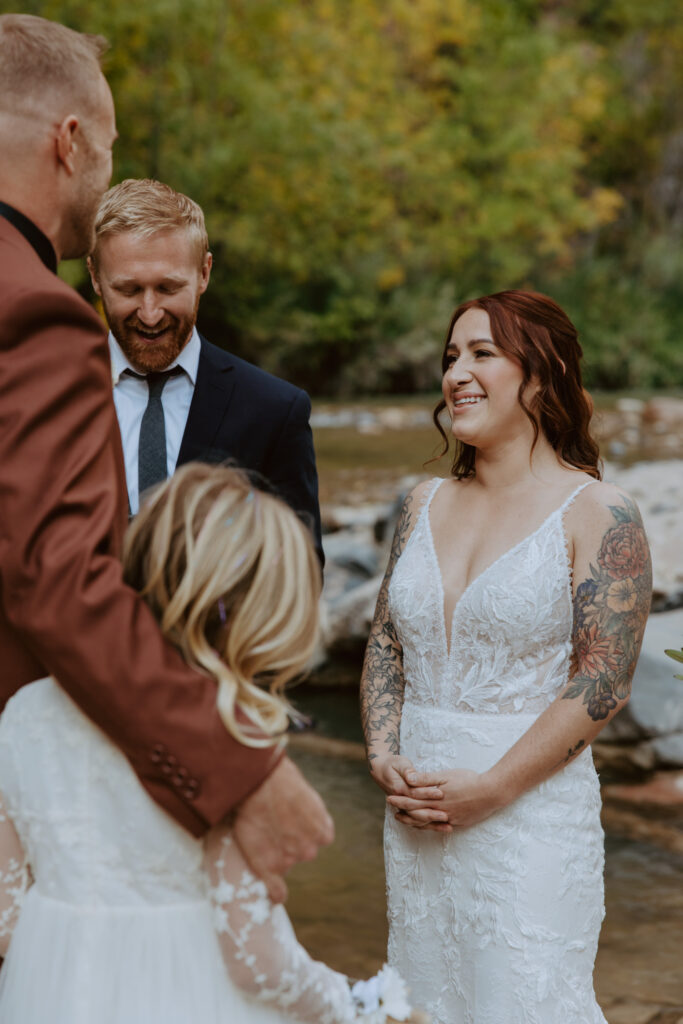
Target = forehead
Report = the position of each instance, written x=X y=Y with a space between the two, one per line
x=473 y=325
x=163 y=253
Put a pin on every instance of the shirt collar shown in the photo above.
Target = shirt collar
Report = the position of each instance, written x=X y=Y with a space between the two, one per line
x=188 y=359
x=33 y=235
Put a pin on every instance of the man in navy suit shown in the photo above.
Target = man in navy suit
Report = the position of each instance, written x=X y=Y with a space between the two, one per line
x=177 y=396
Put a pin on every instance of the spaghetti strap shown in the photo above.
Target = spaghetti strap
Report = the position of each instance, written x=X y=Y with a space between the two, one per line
x=572 y=497
x=426 y=499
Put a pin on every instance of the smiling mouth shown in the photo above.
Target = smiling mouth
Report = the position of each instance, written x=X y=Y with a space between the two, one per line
x=151 y=335
x=468 y=400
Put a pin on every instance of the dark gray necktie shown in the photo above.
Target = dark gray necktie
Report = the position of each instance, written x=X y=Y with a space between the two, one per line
x=152 y=463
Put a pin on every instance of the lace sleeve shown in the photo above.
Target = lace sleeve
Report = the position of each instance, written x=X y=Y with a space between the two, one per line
x=14 y=877
x=259 y=946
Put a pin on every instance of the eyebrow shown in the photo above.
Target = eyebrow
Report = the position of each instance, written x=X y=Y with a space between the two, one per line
x=472 y=342
x=123 y=282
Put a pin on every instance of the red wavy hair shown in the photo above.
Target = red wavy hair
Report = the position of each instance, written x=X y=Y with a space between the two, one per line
x=536 y=332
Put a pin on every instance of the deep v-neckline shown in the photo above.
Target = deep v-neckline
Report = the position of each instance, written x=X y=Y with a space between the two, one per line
x=448 y=631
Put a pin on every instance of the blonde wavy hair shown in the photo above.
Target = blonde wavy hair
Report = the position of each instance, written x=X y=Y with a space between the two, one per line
x=145 y=207
x=231 y=576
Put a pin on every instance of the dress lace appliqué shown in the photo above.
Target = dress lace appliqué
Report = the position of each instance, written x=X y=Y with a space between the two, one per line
x=14 y=877
x=260 y=948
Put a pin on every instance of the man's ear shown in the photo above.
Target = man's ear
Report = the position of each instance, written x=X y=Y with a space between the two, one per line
x=206 y=272
x=65 y=142
x=93 y=276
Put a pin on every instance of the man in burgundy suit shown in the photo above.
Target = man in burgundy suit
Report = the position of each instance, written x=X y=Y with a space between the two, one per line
x=64 y=609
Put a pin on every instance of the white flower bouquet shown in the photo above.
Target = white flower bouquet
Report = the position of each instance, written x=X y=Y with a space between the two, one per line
x=383 y=999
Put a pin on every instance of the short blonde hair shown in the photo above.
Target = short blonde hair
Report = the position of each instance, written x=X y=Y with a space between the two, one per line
x=145 y=207
x=43 y=63
x=232 y=577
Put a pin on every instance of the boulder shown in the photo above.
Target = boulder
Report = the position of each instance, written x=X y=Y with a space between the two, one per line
x=658 y=489
x=668 y=750
x=656 y=705
x=664 y=412
x=344 y=517
x=354 y=549
x=649 y=731
x=347 y=621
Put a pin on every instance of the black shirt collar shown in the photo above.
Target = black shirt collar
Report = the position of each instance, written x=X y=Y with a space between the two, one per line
x=33 y=235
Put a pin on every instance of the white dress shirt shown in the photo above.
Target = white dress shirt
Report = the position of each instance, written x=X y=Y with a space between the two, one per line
x=130 y=398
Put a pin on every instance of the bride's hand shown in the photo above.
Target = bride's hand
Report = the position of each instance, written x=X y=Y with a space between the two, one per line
x=468 y=798
x=390 y=771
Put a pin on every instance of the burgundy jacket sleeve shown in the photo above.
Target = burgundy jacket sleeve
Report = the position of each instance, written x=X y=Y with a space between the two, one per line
x=62 y=598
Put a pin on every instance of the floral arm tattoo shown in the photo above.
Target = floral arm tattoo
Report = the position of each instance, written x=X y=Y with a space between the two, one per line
x=610 y=611
x=382 y=682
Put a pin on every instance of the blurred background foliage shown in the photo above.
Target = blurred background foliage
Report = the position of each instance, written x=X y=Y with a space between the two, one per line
x=364 y=166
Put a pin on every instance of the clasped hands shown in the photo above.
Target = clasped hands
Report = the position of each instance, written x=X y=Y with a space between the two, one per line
x=435 y=801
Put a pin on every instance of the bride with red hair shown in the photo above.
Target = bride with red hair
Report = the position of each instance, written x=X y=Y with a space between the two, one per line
x=505 y=637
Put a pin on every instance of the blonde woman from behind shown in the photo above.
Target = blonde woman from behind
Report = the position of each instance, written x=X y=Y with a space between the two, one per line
x=129 y=919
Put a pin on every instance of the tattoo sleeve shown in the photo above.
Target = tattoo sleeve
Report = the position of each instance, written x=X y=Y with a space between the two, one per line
x=610 y=611
x=382 y=682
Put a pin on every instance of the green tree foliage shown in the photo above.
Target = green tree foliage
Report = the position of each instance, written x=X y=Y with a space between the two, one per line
x=365 y=166
x=625 y=286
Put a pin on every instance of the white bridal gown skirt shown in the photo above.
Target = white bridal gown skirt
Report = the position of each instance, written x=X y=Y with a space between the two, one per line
x=71 y=964
x=498 y=923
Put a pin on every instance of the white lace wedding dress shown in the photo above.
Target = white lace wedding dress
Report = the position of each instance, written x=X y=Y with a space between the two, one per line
x=122 y=925
x=498 y=923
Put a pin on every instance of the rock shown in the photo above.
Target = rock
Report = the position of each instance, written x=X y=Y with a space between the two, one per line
x=633 y=824
x=648 y=732
x=632 y=1013
x=354 y=549
x=630 y=407
x=669 y=749
x=622 y=729
x=658 y=489
x=665 y=410
x=655 y=711
x=338 y=582
x=347 y=622
x=665 y=789
x=342 y=517
x=656 y=705
x=626 y=761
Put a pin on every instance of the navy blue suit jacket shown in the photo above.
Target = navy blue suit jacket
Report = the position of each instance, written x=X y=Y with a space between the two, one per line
x=240 y=412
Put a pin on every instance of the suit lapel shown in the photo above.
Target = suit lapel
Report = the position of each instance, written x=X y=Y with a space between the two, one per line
x=210 y=402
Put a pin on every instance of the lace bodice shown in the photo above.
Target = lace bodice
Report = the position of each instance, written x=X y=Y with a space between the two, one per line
x=95 y=841
x=509 y=641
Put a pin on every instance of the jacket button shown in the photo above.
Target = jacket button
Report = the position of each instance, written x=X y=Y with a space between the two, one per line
x=191 y=789
x=157 y=752
x=180 y=776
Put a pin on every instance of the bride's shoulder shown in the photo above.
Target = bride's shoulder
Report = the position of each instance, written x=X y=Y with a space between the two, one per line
x=410 y=506
x=601 y=494
x=423 y=490
x=416 y=499
x=599 y=507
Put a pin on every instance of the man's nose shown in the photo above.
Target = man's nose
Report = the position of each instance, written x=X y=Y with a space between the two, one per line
x=150 y=311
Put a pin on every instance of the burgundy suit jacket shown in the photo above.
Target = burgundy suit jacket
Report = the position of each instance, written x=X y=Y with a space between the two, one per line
x=64 y=609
